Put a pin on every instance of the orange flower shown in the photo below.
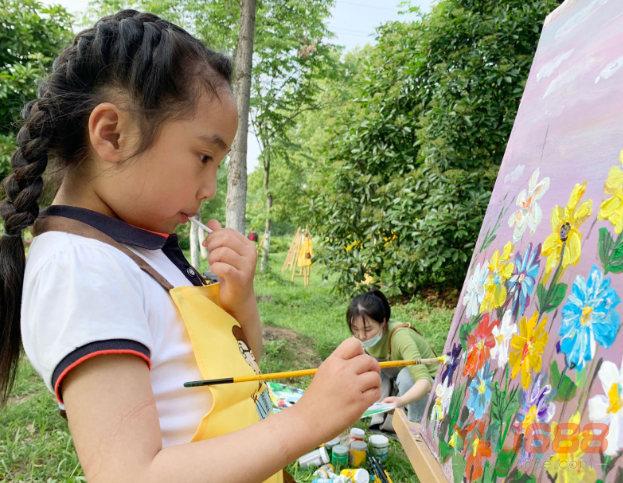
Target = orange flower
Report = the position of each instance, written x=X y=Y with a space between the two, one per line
x=478 y=450
x=479 y=345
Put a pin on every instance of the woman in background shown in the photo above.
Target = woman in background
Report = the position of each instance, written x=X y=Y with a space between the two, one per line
x=368 y=318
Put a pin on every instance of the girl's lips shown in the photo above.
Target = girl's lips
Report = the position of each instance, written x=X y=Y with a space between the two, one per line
x=184 y=218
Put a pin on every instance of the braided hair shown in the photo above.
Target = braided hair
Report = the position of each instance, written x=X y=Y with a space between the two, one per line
x=156 y=67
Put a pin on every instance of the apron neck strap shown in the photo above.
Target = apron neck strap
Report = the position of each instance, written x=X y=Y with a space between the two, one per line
x=44 y=224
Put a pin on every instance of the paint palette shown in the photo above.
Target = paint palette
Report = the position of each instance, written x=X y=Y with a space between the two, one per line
x=283 y=396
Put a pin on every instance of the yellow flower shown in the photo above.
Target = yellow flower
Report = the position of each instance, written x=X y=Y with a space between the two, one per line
x=367 y=280
x=500 y=270
x=570 y=467
x=565 y=224
x=527 y=347
x=612 y=208
x=351 y=246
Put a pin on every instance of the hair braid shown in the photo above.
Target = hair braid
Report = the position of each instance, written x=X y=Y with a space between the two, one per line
x=154 y=64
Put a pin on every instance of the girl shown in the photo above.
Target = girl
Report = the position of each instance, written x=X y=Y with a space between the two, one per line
x=137 y=115
x=368 y=318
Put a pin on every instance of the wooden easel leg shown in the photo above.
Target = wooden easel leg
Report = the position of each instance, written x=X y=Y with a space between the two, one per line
x=296 y=257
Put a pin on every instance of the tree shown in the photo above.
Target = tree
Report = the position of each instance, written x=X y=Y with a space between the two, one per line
x=237 y=177
x=409 y=169
x=31 y=36
x=285 y=82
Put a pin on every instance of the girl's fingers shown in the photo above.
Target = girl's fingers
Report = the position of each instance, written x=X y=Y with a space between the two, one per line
x=374 y=393
x=229 y=256
x=214 y=225
x=365 y=363
x=228 y=272
x=370 y=381
x=348 y=349
x=230 y=239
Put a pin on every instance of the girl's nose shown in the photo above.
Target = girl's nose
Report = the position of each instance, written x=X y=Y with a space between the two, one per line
x=207 y=192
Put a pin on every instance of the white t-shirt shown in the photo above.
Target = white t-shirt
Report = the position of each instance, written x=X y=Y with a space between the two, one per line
x=84 y=298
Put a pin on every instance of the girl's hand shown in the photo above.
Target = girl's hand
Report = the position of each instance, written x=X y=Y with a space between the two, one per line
x=233 y=258
x=346 y=384
x=396 y=401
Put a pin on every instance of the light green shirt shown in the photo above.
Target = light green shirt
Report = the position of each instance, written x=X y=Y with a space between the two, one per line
x=407 y=344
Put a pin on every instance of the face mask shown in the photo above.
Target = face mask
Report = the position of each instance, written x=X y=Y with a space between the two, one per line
x=372 y=342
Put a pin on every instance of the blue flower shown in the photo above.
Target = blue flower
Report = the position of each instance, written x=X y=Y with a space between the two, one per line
x=481 y=390
x=588 y=319
x=522 y=282
x=448 y=371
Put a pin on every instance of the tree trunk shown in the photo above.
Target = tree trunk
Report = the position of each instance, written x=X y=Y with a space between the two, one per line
x=266 y=252
x=194 y=245
x=269 y=203
x=237 y=175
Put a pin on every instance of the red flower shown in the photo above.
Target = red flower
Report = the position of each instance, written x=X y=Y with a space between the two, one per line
x=479 y=345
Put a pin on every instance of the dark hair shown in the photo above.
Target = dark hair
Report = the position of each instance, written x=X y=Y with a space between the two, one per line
x=372 y=305
x=153 y=66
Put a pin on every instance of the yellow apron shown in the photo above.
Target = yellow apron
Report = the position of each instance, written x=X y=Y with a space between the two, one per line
x=220 y=347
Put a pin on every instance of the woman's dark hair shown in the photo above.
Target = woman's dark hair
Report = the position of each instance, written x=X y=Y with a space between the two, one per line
x=155 y=68
x=372 y=305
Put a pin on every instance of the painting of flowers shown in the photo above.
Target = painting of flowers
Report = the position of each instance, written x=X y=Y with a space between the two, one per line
x=534 y=389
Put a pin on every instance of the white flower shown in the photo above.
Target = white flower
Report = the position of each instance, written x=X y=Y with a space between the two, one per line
x=607 y=408
x=475 y=290
x=443 y=397
x=529 y=214
x=503 y=334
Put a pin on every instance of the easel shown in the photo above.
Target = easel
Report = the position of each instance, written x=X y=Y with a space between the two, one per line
x=293 y=251
x=426 y=467
x=303 y=257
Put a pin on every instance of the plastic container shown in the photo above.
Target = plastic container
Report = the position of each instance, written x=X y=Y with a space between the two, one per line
x=358 y=453
x=330 y=444
x=357 y=434
x=339 y=479
x=339 y=456
x=379 y=446
x=318 y=457
x=325 y=471
x=357 y=476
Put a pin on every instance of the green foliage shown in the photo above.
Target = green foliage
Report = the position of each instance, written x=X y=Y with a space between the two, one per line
x=551 y=297
x=409 y=168
x=31 y=35
x=564 y=388
x=610 y=251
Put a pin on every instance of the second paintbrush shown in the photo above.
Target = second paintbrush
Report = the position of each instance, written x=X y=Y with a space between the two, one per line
x=309 y=372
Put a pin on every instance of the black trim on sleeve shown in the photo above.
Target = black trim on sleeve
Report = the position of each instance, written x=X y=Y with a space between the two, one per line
x=110 y=346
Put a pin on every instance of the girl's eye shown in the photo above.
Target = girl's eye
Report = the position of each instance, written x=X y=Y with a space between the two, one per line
x=205 y=158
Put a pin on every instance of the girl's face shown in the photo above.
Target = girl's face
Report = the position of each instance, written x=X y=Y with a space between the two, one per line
x=365 y=329
x=164 y=185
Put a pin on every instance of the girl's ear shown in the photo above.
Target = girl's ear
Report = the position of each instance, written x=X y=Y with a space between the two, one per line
x=110 y=131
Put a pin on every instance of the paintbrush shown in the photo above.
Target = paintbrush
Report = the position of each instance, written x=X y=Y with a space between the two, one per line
x=200 y=225
x=443 y=360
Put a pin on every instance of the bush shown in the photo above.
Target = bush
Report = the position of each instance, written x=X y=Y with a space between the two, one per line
x=31 y=35
x=409 y=169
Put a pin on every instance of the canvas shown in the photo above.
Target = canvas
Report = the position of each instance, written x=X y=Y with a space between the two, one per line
x=535 y=390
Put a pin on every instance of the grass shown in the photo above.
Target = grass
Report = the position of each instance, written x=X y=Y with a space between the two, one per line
x=301 y=326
